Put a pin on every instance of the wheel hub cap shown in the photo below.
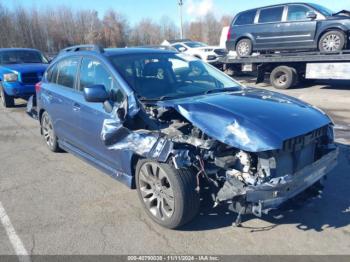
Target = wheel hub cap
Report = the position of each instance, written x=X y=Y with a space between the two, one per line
x=331 y=43
x=156 y=191
x=243 y=48
x=47 y=131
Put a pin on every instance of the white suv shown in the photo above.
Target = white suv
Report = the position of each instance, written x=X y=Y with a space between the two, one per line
x=209 y=54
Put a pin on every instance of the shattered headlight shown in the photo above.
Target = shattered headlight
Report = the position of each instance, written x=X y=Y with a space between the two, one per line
x=10 y=77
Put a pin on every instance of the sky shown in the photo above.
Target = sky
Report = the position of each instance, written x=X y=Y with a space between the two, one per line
x=135 y=10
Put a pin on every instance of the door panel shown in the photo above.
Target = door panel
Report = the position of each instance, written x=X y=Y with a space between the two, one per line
x=268 y=28
x=59 y=95
x=92 y=115
x=298 y=30
x=64 y=118
x=295 y=31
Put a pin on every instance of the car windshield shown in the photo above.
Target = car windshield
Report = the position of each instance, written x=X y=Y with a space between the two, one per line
x=323 y=10
x=170 y=75
x=195 y=44
x=21 y=57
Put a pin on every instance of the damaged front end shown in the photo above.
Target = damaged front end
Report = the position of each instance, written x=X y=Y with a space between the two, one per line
x=251 y=169
x=265 y=180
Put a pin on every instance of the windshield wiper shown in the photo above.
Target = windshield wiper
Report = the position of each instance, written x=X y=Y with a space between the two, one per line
x=219 y=90
x=161 y=98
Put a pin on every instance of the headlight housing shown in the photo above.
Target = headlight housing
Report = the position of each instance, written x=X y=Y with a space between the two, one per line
x=10 y=77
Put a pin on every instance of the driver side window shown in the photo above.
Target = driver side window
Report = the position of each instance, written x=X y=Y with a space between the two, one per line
x=93 y=72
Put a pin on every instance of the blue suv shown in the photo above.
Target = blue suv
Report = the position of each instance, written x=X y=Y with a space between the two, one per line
x=20 y=70
x=172 y=126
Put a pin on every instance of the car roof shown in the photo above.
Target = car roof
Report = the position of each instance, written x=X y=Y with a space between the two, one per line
x=107 y=52
x=130 y=51
x=268 y=6
x=18 y=49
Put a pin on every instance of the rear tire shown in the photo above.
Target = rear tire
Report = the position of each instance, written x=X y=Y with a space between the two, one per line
x=48 y=132
x=332 y=41
x=6 y=100
x=283 y=77
x=168 y=195
x=244 y=47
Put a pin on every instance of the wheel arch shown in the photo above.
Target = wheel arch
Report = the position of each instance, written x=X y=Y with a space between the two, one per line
x=335 y=27
x=133 y=162
x=41 y=112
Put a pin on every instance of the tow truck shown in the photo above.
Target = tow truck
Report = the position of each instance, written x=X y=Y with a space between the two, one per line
x=286 y=70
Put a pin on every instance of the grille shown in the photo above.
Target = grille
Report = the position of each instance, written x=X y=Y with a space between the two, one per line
x=31 y=78
x=299 y=142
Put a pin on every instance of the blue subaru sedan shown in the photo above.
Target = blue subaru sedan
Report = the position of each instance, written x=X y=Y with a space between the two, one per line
x=20 y=70
x=171 y=126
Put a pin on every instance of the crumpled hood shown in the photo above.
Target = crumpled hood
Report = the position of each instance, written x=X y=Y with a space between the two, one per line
x=252 y=120
x=25 y=68
x=343 y=12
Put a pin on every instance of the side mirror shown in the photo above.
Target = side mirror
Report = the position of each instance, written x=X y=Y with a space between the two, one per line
x=182 y=49
x=96 y=94
x=311 y=15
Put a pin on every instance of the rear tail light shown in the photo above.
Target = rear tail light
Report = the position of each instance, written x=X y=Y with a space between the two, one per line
x=229 y=34
x=38 y=87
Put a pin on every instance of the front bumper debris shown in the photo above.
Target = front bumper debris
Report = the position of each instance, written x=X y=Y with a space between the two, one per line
x=271 y=195
x=259 y=199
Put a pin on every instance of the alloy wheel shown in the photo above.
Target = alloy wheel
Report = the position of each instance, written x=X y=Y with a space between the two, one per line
x=331 y=42
x=48 y=131
x=156 y=191
x=243 y=48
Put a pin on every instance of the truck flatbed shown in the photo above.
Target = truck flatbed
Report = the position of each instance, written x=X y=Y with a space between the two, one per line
x=342 y=56
x=288 y=69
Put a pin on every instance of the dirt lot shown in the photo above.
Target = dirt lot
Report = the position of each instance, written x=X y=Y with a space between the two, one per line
x=60 y=205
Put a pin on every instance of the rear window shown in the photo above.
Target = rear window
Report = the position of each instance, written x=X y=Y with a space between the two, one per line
x=246 y=18
x=269 y=15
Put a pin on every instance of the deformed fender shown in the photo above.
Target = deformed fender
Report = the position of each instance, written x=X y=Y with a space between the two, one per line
x=148 y=144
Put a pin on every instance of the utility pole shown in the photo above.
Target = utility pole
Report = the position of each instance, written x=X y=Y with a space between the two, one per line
x=181 y=3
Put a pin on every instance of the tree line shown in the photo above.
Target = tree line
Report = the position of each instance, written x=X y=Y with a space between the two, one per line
x=53 y=29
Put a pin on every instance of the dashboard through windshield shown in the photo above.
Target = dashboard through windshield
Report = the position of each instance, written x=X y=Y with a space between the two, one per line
x=170 y=75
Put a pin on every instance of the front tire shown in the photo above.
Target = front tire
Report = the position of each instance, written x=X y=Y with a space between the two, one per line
x=167 y=194
x=244 y=47
x=6 y=100
x=332 y=41
x=48 y=132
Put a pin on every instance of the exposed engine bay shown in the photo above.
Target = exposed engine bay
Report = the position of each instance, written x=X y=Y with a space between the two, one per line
x=244 y=179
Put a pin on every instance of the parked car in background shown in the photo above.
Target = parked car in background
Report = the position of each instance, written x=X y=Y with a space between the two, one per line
x=20 y=70
x=294 y=26
x=209 y=54
x=171 y=125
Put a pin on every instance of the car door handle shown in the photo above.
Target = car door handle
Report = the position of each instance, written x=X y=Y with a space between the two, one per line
x=76 y=107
